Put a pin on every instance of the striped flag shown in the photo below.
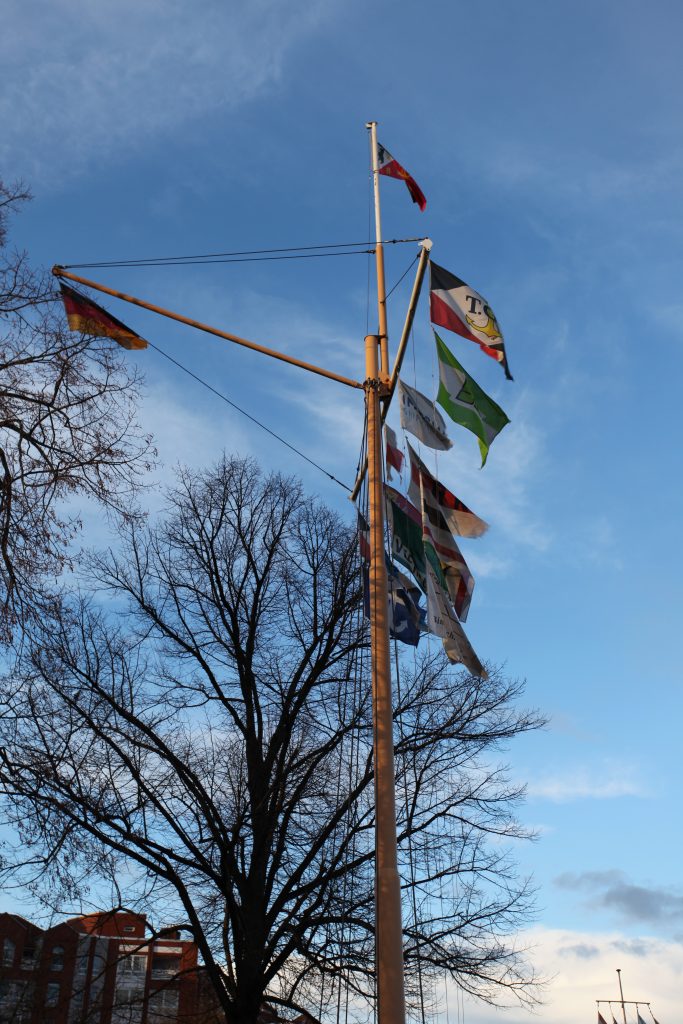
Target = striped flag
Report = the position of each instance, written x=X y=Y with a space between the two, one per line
x=86 y=316
x=408 y=530
x=427 y=490
x=442 y=622
x=465 y=402
x=457 y=307
x=392 y=169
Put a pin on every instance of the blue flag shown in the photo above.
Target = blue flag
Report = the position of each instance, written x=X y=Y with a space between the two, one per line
x=406 y=617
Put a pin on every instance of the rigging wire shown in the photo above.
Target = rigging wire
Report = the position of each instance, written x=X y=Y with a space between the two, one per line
x=217 y=256
x=202 y=261
x=253 y=419
x=414 y=260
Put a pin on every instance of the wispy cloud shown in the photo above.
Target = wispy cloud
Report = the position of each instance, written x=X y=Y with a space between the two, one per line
x=607 y=781
x=82 y=82
x=567 y=173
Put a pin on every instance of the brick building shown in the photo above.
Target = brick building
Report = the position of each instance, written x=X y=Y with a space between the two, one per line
x=97 y=969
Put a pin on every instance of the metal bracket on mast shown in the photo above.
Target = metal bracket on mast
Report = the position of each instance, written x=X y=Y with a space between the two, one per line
x=377 y=384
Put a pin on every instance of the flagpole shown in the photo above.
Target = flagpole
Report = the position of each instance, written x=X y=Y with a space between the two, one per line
x=379 y=258
x=388 y=924
x=621 y=993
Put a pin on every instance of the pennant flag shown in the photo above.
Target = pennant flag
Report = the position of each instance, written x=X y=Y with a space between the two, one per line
x=442 y=622
x=640 y=1019
x=394 y=453
x=465 y=402
x=408 y=528
x=601 y=1019
x=426 y=490
x=393 y=169
x=85 y=315
x=457 y=307
x=613 y=1020
x=421 y=417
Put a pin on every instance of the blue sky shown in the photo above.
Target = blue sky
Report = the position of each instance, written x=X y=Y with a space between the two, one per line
x=547 y=138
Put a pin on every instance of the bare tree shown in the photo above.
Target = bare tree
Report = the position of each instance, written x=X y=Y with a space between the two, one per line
x=207 y=748
x=67 y=427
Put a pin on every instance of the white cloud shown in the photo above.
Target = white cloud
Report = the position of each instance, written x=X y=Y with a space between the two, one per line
x=604 y=782
x=581 y=969
x=82 y=81
x=567 y=173
x=485 y=566
x=595 y=541
x=190 y=432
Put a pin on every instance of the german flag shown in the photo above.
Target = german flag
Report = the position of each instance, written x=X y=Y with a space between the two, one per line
x=86 y=316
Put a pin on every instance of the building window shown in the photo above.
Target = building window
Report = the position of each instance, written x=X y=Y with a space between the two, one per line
x=165 y=966
x=163 y=1006
x=57 y=961
x=8 y=951
x=28 y=958
x=133 y=965
x=52 y=994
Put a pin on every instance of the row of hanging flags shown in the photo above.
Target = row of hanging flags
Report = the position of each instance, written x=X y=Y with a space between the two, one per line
x=424 y=524
x=601 y=1019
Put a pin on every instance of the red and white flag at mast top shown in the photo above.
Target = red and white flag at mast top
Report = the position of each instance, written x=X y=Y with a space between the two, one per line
x=387 y=165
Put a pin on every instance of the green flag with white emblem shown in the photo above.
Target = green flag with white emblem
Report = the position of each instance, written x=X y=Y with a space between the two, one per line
x=465 y=402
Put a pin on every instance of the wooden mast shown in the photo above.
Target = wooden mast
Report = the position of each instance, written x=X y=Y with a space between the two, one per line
x=388 y=922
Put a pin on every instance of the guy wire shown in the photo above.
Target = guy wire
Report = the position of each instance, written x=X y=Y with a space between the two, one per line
x=170 y=260
x=253 y=419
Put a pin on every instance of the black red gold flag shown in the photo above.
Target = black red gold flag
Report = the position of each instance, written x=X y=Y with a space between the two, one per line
x=86 y=316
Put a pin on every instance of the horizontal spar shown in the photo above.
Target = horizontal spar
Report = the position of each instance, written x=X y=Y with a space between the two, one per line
x=60 y=272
